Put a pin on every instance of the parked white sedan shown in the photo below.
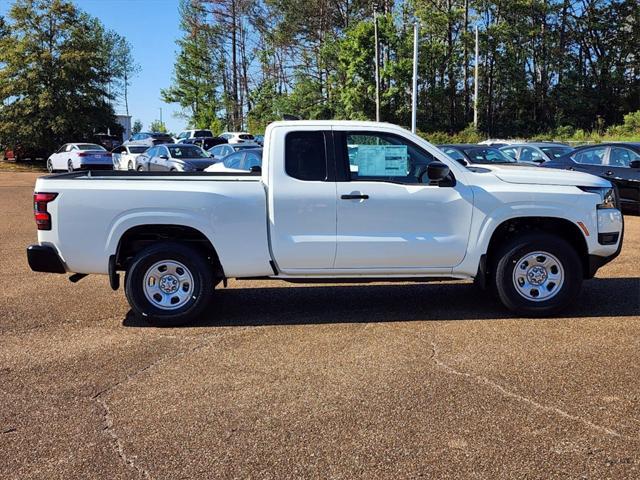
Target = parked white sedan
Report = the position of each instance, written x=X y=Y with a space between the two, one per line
x=80 y=156
x=239 y=137
x=124 y=157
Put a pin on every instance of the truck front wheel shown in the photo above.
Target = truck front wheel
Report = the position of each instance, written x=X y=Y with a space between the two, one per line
x=537 y=274
x=169 y=284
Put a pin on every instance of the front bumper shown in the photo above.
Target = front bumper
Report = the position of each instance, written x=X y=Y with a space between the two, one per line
x=44 y=258
x=597 y=261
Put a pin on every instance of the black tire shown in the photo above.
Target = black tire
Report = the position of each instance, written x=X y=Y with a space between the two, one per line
x=140 y=168
x=197 y=266
x=130 y=165
x=49 y=166
x=70 y=166
x=507 y=259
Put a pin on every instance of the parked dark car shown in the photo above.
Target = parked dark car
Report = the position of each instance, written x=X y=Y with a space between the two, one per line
x=149 y=139
x=205 y=142
x=107 y=141
x=476 y=154
x=617 y=162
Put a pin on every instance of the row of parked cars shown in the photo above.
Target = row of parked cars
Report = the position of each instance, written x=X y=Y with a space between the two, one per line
x=193 y=150
x=618 y=162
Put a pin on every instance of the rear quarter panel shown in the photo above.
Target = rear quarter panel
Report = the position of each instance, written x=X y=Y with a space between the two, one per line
x=90 y=215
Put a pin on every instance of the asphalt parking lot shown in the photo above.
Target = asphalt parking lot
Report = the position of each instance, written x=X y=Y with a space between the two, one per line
x=281 y=381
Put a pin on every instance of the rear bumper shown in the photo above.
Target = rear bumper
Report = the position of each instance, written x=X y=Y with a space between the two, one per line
x=44 y=258
x=97 y=166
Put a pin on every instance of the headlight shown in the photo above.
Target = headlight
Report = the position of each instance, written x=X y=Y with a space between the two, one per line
x=607 y=196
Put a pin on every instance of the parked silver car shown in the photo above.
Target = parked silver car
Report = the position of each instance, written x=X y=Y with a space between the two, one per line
x=174 y=158
x=149 y=139
x=220 y=151
x=536 y=153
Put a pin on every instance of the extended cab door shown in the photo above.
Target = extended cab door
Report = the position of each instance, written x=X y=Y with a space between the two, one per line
x=302 y=199
x=388 y=220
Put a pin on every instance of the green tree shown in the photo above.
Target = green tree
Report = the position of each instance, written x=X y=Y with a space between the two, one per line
x=53 y=76
x=195 y=83
x=158 y=126
x=137 y=127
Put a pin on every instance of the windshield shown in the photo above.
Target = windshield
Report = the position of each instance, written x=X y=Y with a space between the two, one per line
x=160 y=135
x=137 y=149
x=488 y=155
x=90 y=146
x=187 y=151
x=556 y=152
x=203 y=133
x=245 y=136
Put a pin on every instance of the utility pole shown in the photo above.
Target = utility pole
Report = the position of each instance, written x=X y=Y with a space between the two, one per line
x=160 y=114
x=375 y=33
x=475 y=85
x=414 y=99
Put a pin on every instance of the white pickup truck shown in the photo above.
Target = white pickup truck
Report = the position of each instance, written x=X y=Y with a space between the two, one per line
x=333 y=201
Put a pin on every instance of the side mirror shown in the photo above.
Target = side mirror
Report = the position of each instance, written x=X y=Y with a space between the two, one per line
x=462 y=162
x=538 y=160
x=163 y=157
x=635 y=164
x=435 y=172
x=256 y=169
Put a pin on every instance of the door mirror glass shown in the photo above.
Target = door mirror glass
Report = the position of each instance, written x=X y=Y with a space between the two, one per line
x=164 y=157
x=634 y=164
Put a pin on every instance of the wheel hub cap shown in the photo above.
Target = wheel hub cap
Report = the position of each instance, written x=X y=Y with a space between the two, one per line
x=168 y=285
x=538 y=276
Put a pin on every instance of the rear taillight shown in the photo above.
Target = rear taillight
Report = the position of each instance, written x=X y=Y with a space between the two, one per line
x=42 y=216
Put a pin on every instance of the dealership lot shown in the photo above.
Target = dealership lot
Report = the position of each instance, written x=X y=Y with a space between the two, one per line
x=397 y=380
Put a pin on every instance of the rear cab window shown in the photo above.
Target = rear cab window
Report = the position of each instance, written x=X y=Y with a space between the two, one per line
x=306 y=155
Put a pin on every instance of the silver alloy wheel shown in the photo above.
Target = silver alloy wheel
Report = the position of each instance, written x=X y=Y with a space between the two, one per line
x=168 y=285
x=49 y=166
x=130 y=166
x=70 y=166
x=538 y=276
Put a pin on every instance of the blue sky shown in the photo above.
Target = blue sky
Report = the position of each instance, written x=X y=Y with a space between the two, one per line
x=152 y=27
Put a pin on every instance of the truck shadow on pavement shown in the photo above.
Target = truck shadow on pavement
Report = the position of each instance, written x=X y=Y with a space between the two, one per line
x=285 y=304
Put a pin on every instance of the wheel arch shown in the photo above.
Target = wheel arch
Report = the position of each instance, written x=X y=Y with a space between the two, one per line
x=136 y=238
x=512 y=227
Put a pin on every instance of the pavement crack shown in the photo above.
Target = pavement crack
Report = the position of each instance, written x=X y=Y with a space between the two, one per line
x=107 y=418
x=130 y=461
x=522 y=399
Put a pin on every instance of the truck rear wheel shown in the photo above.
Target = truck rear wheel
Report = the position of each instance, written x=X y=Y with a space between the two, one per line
x=537 y=274
x=169 y=284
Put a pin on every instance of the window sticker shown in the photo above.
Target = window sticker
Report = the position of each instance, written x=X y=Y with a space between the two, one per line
x=381 y=160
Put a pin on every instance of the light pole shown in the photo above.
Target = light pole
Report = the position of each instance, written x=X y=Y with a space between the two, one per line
x=414 y=99
x=375 y=34
x=475 y=85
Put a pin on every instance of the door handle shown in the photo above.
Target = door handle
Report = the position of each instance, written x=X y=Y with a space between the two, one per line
x=353 y=196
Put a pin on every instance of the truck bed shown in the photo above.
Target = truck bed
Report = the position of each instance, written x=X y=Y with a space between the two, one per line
x=94 y=209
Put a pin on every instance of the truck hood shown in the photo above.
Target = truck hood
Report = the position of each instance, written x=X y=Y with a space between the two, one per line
x=546 y=176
